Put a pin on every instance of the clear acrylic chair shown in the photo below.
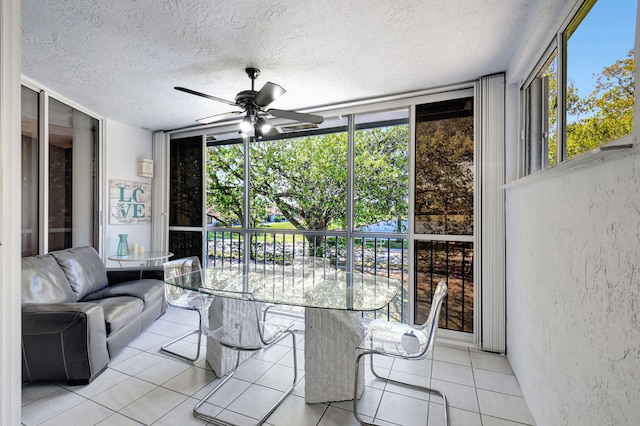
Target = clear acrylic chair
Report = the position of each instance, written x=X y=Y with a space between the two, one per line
x=184 y=274
x=245 y=333
x=404 y=342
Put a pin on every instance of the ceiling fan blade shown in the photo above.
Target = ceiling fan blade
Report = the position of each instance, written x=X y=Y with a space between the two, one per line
x=213 y=98
x=298 y=116
x=269 y=93
x=219 y=117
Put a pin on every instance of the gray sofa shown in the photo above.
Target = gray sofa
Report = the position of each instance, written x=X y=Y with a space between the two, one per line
x=76 y=314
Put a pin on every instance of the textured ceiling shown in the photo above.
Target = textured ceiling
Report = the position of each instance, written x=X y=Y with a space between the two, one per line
x=122 y=58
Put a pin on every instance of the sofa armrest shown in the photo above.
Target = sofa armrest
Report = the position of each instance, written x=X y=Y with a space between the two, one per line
x=121 y=275
x=63 y=341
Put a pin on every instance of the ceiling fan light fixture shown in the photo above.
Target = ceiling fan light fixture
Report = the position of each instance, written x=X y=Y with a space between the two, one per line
x=257 y=131
x=263 y=125
x=245 y=125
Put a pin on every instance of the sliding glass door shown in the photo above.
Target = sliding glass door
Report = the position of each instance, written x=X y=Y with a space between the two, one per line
x=59 y=175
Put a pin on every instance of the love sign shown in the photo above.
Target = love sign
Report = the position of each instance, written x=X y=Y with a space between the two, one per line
x=129 y=202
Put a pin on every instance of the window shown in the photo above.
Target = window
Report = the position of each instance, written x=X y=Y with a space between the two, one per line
x=72 y=210
x=541 y=100
x=329 y=197
x=301 y=178
x=582 y=95
x=64 y=166
x=444 y=210
x=381 y=175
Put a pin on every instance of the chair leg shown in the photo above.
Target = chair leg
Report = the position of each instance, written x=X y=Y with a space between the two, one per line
x=215 y=421
x=164 y=348
x=355 y=389
x=293 y=383
x=264 y=313
x=395 y=382
x=375 y=373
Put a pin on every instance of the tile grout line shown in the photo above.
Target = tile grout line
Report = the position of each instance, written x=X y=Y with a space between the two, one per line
x=475 y=387
x=153 y=350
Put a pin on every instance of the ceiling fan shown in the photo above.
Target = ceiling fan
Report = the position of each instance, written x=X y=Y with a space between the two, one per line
x=253 y=104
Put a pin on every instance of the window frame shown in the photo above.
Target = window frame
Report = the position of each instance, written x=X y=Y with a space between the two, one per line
x=558 y=47
x=410 y=100
x=349 y=233
x=44 y=97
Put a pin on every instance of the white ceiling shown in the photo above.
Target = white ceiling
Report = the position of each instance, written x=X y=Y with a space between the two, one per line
x=121 y=58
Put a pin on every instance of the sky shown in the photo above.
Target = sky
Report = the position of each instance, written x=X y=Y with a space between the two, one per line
x=605 y=35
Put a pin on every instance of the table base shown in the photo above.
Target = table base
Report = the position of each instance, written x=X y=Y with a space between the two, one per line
x=331 y=337
x=226 y=311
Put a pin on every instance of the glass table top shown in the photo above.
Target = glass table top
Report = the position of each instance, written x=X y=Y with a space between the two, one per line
x=141 y=256
x=306 y=287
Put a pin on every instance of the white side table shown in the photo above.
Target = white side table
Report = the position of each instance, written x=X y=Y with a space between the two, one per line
x=148 y=257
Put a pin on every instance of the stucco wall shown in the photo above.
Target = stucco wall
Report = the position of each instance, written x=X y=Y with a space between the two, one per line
x=573 y=293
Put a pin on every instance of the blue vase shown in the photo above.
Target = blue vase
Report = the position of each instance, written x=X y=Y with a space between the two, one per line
x=123 y=247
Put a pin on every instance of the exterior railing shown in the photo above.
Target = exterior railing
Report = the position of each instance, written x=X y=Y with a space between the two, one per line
x=380 y=255
x=452 y=262
x=384 y=255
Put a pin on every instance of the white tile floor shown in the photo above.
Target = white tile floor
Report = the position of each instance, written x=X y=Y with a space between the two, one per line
x=143 y=386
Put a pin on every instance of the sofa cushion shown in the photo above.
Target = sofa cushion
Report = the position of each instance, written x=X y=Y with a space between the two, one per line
x=149 y=291
x=119 y=311
x=44 y=282
x=84 y=269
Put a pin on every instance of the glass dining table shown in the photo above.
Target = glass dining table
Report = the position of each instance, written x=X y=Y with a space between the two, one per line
x=332 y=299
x=304 y=287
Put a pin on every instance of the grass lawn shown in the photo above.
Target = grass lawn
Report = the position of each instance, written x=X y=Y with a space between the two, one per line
x=272 y=229
x=276 y=225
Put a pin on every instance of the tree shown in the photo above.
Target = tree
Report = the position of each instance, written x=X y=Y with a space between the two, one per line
x=225 y=181
x=445 y=175
x=603 y=115
x=305 y=178
x=381 y=176
x=606 y=113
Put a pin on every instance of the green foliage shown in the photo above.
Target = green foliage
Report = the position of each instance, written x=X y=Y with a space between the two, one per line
x=225 y=181
x=381 y=175
x=602 y=116
x=306 y=179
x=445 y=175
x=606 y=113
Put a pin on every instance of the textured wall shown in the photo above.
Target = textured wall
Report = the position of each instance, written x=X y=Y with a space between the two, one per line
x=573 y=277
x=122 y=58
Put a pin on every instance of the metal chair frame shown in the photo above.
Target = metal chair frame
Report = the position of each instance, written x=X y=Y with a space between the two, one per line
x=184 y=267
x=239 y=348
x=432 y=324
x=164 y=348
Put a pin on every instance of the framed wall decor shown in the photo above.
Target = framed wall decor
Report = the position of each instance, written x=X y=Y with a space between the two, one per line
x=129 y=202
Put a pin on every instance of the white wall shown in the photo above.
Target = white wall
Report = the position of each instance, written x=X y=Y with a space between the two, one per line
x=124 y=145
x=573 y=285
